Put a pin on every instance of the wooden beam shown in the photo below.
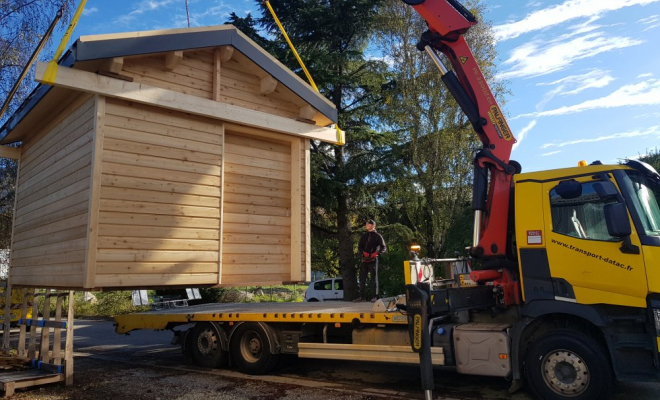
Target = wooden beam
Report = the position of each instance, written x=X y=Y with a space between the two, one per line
x=168 y=99
x=113 y=65
x=307 y=112
x=226 y=53
x=222 y=202
x=308 y=212
x=173 y=59
x=95 y=195
x=10 y=152
x=217 y=73
x=296 y=211
x=268 y=85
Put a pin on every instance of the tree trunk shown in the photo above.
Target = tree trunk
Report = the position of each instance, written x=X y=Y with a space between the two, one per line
x=346 y=256
x=430 y=225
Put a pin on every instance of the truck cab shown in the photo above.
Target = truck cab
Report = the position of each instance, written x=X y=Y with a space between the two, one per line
x=588 y=260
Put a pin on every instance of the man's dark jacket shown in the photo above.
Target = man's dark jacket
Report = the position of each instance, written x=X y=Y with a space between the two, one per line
x=371 y=242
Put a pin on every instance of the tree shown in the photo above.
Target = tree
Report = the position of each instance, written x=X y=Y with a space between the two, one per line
x=437 y=141
x=22 y=25
x=652 y=158
x=333 y=37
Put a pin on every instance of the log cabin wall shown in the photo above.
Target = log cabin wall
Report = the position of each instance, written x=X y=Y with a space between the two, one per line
x=257 y=210
x=130 y=191
x=52 y=199
x=160 y=198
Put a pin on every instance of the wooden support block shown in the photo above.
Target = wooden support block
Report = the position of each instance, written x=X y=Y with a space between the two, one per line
x=68 y=347
x=226 y=53
x=307 y=112
x=10 y=152
x=7 y=323
x=32 y=343
x=268 y=85
x=173 y=59
x=113 y=65
x=22 y=352
x=57 y=337
x=45 y=331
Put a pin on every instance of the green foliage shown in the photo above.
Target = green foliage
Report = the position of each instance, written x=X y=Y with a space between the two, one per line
x=22 y=25
x=652 y=158
x=435 y=141
x=107 y=304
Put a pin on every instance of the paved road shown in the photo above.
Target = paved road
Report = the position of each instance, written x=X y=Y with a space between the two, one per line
x=97 y=339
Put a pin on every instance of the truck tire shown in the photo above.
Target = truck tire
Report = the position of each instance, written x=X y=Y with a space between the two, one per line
x=250 y=349
x=566 y=364
x=206 y=345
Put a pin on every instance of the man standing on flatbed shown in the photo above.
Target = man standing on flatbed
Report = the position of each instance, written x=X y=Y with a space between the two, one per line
x=371 y=245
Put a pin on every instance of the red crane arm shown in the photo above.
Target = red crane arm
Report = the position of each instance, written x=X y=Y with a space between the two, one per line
x=448 y=21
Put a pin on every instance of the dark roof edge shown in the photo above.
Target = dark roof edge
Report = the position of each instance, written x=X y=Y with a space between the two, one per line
x=123 y=47
x=32 y=100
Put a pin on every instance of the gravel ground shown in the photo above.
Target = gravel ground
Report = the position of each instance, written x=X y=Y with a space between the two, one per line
x=108 y=380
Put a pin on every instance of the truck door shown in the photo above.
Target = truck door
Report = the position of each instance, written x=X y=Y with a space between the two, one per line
x=338 y=286
x=586 y=264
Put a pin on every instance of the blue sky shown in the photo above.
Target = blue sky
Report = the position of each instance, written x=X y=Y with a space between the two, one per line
x=584 y=74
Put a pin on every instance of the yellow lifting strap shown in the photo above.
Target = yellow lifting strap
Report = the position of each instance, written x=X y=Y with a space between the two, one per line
x=51 y=70
x=341 y=135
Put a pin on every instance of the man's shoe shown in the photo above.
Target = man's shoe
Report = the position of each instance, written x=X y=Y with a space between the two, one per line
x=374 y=300
x=358 y=300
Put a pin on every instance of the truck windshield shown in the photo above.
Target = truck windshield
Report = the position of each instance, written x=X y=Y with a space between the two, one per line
x=645 y=196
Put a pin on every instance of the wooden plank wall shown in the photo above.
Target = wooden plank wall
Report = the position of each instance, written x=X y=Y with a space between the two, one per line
x=240 y=81
x=50 y=225
x=159 y=219
x=257 y=210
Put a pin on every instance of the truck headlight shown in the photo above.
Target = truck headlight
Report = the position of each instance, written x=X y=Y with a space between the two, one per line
x=656 y=315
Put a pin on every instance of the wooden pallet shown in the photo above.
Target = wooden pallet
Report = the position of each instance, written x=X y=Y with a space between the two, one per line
x=35 y=360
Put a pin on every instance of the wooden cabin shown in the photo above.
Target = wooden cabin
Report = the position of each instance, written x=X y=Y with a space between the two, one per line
x=164 y=158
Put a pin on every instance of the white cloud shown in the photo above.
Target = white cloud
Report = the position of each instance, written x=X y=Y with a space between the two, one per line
x=646 y=75
x=634 y=94
x=560 y=13
x=574 y=84
x=543 y=57
x=523 y=132
x=550 y=153
x=90 y=11
x=650 y=19
x=654 y=130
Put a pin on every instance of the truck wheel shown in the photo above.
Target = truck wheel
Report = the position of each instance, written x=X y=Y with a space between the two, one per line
x=206 y=346
x=250 y=349
x=565 y=364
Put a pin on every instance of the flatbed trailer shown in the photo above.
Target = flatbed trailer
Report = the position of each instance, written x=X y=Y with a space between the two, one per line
x=253 y=335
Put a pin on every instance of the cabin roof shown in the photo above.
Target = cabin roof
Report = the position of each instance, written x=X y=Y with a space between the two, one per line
x=97 y=47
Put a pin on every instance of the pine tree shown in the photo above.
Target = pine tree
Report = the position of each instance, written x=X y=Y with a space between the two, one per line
x=333 y=38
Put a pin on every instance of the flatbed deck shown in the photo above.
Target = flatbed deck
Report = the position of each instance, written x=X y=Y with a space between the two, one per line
x=326 y=312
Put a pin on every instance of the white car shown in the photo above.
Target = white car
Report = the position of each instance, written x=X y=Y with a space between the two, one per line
x=325 y=290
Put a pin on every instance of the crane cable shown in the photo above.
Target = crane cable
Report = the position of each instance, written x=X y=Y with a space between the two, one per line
x=51 y=70
x=341 y=135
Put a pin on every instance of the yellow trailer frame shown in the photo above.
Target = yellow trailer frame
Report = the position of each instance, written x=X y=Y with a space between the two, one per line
x=328 y=312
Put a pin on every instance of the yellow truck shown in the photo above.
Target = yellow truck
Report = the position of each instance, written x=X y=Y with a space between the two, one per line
x=567 y=298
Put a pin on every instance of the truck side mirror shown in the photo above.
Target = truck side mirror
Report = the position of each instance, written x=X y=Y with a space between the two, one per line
x=606 y=190
x=616 y=218
x=570 y=189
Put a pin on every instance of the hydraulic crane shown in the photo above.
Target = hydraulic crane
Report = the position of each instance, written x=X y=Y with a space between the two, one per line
x=448 y=21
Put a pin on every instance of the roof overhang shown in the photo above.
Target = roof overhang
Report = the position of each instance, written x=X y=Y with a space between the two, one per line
x=98 y=47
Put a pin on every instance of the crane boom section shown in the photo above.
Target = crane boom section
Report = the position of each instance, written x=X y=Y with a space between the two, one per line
x=448 y=21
